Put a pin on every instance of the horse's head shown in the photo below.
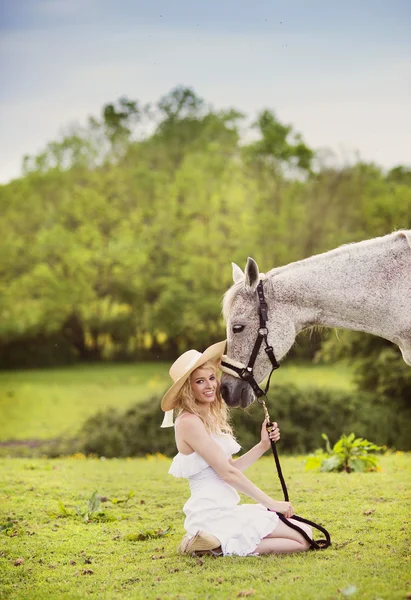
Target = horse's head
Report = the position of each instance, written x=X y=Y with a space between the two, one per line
x=241 y=312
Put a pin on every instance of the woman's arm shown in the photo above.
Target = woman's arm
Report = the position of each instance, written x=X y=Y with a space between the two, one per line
x=191 y=430
x=246 y=460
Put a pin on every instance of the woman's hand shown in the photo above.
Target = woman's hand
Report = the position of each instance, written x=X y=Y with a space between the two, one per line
x=285 y=508
x=273 y=435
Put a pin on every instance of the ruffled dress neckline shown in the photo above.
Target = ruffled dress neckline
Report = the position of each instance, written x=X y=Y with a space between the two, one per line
x=188 y=465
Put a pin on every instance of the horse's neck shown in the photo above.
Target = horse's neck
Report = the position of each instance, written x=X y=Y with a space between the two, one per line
x=350 y=287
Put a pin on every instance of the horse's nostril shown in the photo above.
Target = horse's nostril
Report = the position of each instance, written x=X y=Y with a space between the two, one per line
x=224 y=391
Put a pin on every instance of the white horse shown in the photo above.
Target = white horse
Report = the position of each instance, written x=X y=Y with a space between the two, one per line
x=364 y=286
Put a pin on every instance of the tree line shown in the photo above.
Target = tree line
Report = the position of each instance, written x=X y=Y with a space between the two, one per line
x=116 y=242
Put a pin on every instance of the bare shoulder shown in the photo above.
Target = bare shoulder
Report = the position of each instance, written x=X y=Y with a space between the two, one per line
x=188 y=422
x=192 y=436
x=188 y=429
x=189 y=426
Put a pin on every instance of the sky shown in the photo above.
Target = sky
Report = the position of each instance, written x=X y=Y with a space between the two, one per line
x=339 y=72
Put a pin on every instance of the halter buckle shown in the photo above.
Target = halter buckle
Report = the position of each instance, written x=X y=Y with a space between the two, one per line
x=270 y=353
x=263 y=331
x=247 y=374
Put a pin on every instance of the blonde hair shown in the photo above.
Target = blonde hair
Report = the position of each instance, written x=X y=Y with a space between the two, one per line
x=217 y=418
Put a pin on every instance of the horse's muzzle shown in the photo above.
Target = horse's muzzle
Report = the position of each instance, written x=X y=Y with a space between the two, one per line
x=236 y=392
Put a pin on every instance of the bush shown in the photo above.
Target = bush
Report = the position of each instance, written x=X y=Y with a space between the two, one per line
x=387 y=374
x=378 y=365
x=39 y=351
x=135 y=432
x=349 y=454
x=302 y=415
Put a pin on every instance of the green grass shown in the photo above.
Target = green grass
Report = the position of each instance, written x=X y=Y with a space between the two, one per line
x=43 y=404
x=335 y=377
x=366 y=514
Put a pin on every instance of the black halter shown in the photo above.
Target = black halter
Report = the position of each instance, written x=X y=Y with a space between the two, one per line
x=247 y=373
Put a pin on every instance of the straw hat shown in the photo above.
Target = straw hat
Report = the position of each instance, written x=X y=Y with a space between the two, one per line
x=182 y=368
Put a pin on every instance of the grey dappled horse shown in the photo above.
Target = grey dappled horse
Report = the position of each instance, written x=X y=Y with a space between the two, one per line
x=365 y=286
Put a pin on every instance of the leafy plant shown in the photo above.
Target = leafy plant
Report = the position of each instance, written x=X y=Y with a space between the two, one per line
x=348 y=454
x=7 y=527
x=92 y=510
x=130 y=495
x=63 y=510
x=148 y=534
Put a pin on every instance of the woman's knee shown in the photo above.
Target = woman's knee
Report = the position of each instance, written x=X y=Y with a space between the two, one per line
x=284 y=531
x=307 y=528
x=306 y=545
x=301 y=539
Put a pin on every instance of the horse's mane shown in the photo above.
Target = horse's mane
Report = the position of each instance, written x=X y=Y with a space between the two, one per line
x=232 y=292
x=342 y=249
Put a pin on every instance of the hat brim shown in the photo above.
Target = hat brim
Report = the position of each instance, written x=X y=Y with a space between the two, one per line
x=213 y=353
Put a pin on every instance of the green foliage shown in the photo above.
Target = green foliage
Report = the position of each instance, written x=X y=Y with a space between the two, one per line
x=385 y=373
x=279 y=145
x=302 y=415
x=348 y=454
x=130 y=495
x=6 y=527
x=135 y=432
x=148 y=534
x=378 y=367
x=63 y=511
x=92 y=511
x=117 y=241
x=46 y=404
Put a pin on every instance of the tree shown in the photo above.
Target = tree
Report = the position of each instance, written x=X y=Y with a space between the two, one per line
x=279 y=145
x=118 y=239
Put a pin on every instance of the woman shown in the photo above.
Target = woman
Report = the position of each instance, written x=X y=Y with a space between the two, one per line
x=214 y=520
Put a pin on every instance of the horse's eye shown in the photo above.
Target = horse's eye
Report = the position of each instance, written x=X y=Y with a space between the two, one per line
x=238 y=328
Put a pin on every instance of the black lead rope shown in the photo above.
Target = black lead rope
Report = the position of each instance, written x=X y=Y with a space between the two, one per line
x=320 y=544
x=246 y=373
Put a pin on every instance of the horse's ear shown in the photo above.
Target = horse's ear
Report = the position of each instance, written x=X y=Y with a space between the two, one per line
x=238 y=275
x=252 y=274
x=404 y=233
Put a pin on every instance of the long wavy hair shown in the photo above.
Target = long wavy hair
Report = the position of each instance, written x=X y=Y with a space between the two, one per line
x=217 y=419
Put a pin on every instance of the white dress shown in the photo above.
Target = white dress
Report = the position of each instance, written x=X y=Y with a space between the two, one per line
x=213 y=505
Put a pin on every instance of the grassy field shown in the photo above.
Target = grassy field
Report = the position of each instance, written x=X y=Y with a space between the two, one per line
x=43 y=404
x=48 y=552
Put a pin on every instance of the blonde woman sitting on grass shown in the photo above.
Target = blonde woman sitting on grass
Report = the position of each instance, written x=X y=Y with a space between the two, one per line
x=215 y=521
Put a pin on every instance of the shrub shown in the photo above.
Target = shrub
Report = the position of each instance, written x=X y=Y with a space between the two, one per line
x=348 y=454
x=135 y=432
x=378 y=365
x=301 y=414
